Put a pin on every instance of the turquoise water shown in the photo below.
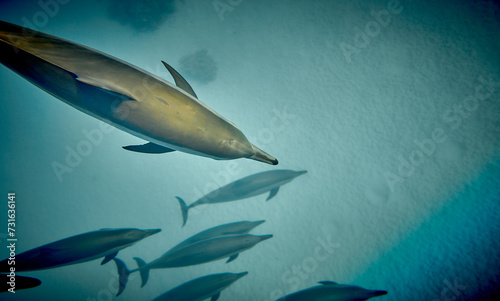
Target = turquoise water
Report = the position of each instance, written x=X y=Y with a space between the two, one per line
x=403 y=165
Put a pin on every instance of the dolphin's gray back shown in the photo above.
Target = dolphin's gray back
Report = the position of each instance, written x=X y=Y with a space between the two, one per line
x=199 y=289
x=250 y=186
x=205 y=251
x=236 y=228
x=75 y=249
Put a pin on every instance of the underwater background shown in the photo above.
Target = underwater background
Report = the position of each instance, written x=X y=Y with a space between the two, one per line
x=393 y=108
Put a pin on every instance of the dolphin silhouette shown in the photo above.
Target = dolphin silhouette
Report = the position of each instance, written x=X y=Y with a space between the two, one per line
x=127 y=97
x=332 y=291
x=259 y=183
x=77 y=249
x=236 y=228
x=201 y=288
x=197 y=253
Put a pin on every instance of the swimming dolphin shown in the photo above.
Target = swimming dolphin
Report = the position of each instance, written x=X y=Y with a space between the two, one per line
x=236 y=228
x=125 y=96
x=332 y=291
x=18 y=283
x=77 y=249
x=197 y=253
x=201 y=288
x=259 y=183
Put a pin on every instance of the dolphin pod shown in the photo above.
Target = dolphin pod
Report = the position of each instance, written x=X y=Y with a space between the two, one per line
x=168 y=117
x=197 y=253
x=201 y=288
x=77 y=249
x=332 y=291
x=259 y=183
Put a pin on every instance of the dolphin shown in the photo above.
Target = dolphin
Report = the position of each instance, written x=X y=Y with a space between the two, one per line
x=19 y=283
x=332 y=291
x=197 y=253
x=77 y=249
x=170 y=117
x=201 y=288
x=259 y=183
x=236 y=228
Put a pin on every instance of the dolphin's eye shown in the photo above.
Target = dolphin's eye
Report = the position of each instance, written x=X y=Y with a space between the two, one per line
x=231 y=141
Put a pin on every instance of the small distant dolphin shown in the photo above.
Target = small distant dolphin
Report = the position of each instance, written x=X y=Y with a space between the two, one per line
x=236 y=228
x=125 y=96
x=20 y=283
x=201 y=288
x=197 y=253
x=77 y=249
x=250 y=186
x=332 y=291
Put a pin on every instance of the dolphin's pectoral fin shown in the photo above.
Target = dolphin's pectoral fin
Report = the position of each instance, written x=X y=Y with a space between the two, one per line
x=328 y=283
x=149 y=148
x=105 y=86
x=232 y=257
x=180 y=81
x=109 y=257
x=273 y=193
x=215 y=297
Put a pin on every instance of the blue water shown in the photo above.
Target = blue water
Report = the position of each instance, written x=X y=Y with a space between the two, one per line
x=403 y=165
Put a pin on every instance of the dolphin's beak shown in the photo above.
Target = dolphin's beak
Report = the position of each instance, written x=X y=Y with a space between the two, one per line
x=378 y=293
x=151 y=232
x=259 y=222
x=264 y=237
x=241 y=274
x=301 y=172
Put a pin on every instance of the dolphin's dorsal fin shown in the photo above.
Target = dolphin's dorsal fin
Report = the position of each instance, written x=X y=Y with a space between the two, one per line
x=232 y=257
x=149 y=148
x=109 y=87
x=109 y=257
x=328 y=283
x=180 y=81
x=273 y=193
x=215 y=297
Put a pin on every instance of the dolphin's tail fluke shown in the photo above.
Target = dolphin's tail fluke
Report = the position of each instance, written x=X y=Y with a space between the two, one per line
x=184 y=209
x=262 y=156
x=123 y=274
x=144 y=271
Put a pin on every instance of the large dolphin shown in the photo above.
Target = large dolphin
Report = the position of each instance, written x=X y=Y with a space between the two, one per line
x=236 y=228
x=259 y=183
x=125 y=96
x=201 y=288
x=197 y=253
x=332 y=291
x=76 y=249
